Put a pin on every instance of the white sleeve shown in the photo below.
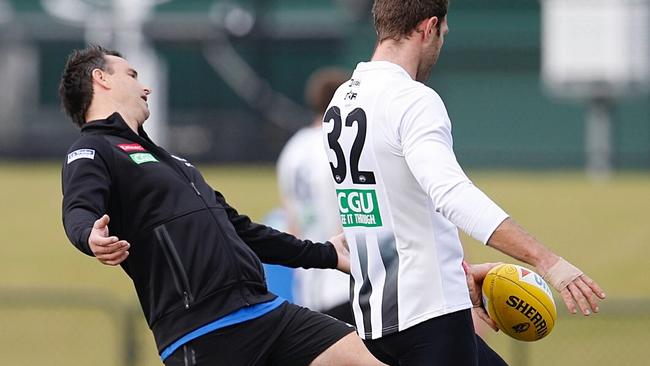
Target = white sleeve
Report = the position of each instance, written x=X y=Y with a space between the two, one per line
x=425 y=137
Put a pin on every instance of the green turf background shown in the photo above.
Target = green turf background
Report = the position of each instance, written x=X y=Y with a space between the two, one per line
x=604 y=227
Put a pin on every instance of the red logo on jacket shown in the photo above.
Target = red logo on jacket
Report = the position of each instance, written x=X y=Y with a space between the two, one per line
x=131 y=147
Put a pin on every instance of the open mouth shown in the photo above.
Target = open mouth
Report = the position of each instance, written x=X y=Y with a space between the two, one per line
x=144 y=97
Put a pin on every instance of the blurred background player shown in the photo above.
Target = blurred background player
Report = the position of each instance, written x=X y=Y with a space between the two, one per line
x=307 y=195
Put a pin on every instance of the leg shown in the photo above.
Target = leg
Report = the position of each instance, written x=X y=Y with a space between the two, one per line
x=348 y=351
x=447 y=340
x=487 y=356
x=383 y=349
x=311 y=338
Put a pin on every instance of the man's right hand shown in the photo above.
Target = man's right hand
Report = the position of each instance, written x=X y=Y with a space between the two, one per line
x=475 y=274
x=342 y=251
x=109 y=250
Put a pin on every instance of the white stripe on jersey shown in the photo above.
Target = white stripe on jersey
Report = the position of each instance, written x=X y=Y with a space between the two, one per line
x=355 y=271
x=377 y=277
x=405 y=254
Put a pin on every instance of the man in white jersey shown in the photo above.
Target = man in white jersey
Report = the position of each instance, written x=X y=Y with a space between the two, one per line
x=388 y=140
x=306 y=192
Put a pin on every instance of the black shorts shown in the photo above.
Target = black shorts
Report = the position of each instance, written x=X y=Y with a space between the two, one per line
x=289 y=335
x=448 y=340
x=342 y=312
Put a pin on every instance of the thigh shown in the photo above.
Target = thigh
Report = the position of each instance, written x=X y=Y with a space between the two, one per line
x=349 y=351
x=382 y=351
x=487 y=356
x=306 y=334
x=448 y=340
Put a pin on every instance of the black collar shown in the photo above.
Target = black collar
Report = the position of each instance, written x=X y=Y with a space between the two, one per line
x=114 y=125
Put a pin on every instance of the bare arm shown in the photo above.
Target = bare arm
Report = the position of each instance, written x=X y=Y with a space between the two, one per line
x=574 y=286
x=513 y=240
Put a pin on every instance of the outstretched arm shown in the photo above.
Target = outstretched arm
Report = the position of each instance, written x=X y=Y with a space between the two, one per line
x=574 y=286
x=275 y=247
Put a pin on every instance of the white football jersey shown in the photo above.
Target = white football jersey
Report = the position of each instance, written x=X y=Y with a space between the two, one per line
x=307 y=192
x=401 y=196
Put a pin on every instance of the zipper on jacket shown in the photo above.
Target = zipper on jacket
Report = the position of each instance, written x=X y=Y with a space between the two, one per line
x=181 y=281
x=195 y=189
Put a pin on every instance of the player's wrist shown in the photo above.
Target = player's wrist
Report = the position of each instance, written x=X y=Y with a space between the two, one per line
x=561 y=273
x=543 y=260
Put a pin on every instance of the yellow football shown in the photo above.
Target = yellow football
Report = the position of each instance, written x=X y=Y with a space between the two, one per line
x=520 y=302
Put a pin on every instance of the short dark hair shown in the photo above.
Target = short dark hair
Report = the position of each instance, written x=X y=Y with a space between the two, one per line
x=322 y=85
x=76 y=86
x=396 y=19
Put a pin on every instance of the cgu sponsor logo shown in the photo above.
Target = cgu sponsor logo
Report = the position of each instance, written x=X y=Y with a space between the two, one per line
x=529 y=312
x=140 y=158
x=358 y=207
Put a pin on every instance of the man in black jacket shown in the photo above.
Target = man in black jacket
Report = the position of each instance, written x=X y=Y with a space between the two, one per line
x=194 y=260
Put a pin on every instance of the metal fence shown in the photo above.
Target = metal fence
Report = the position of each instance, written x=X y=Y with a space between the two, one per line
x=70 y=327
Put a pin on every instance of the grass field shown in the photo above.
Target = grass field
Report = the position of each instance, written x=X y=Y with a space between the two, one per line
x=602 y=226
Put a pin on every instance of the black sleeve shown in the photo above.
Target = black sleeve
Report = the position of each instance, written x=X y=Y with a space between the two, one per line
x=276 y=247
x=86 y=185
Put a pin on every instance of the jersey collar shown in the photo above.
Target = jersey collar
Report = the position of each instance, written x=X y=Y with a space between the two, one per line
x=382 y=66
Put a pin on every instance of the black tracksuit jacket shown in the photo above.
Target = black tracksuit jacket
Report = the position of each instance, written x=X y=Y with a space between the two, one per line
x=193 y=258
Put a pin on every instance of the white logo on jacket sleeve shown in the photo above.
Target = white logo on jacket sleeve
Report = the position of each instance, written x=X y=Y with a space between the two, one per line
x=81 y=154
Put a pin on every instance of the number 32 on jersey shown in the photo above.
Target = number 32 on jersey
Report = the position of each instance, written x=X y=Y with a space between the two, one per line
x=357 y=207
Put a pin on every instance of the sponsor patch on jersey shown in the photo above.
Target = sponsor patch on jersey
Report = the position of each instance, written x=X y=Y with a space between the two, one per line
x=358 y=207
x=140 y=158
x=131 y=147
x=81 y=154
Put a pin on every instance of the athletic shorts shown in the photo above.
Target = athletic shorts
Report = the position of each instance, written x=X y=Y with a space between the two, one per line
x=447 y=340
x=342 y=312
x=287 y=336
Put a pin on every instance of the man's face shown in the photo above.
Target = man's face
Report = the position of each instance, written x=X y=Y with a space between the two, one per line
x=431 y=51
x=126 y=90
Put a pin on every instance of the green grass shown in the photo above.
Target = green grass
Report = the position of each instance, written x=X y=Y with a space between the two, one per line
x=603 y=227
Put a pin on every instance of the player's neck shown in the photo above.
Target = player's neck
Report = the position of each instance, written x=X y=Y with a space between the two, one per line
x=403 y=53
x=318 y=121
x=98 y=111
